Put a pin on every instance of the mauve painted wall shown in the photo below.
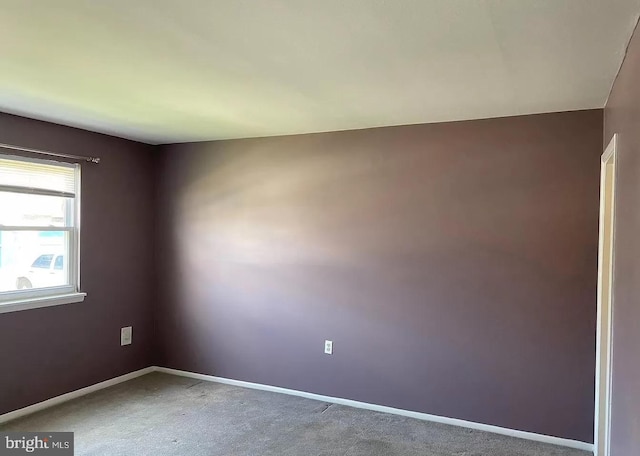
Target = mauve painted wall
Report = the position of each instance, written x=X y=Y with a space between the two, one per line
x=453 y=265
x=622 y=116
x=54 y=350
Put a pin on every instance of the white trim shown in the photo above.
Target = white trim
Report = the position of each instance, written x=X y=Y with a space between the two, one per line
x=610 y=150
x=74 y=273
x=73 y=395
x=609 y=157
x=41 y=301
x=381 y=408
x=30 y=294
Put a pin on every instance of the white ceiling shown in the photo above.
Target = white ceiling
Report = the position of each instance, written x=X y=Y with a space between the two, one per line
x=169 y=71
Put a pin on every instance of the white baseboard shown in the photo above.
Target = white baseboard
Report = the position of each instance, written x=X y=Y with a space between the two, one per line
x=276 y=389
x=73 y=394
x=381 y=408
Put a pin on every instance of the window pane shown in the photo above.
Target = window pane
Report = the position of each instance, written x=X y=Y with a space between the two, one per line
x=20 y=209
x=33 y=259
x=43 y=261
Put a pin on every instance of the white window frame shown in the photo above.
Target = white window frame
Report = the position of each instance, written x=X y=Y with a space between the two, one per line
x=12 y=301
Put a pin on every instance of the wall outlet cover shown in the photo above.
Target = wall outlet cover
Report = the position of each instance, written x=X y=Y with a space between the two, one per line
x=125 y=335
x=328 y=347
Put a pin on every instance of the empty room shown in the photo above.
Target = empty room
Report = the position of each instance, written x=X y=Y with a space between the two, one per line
x=292 y=227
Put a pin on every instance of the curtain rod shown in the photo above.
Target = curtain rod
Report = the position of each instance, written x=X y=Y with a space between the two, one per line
x=51 y=154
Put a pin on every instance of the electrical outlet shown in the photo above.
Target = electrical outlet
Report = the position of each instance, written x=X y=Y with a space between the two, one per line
x=125 y=335
x=328 y=347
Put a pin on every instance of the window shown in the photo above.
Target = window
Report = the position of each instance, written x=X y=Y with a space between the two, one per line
x=59 y=263
x=39 y=236
x=43 y=261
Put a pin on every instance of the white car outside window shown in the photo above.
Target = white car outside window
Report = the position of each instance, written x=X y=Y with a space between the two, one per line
x=46 y=271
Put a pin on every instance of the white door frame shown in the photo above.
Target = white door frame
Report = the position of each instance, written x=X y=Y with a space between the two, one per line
x=604 y=330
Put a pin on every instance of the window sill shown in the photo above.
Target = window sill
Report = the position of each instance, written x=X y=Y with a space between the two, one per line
x=44 y=301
